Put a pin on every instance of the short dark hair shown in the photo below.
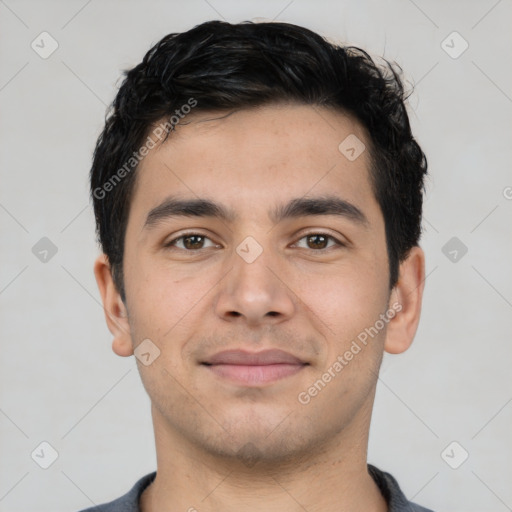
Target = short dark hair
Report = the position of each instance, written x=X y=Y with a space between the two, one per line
x=223 y=66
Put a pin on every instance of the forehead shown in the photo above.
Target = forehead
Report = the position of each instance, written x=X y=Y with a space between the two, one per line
x=254 y=157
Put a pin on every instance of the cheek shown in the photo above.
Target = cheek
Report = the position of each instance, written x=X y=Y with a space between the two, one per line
x=150 y=301
x=346 y=302
x=164 y=300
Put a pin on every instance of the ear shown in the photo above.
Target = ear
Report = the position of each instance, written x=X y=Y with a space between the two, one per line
x=407 y=293
x=115 y=310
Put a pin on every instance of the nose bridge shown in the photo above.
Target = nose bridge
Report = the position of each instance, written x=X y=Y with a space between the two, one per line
x=251 y=289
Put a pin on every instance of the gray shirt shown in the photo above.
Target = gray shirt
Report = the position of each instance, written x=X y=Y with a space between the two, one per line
x=397 y=502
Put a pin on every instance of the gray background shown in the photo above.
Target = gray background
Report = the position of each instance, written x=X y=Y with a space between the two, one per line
x=61 y=382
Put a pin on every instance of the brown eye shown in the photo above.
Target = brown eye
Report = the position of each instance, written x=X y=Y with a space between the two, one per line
x=319 y=241
x=189 y=242
x=193 y=241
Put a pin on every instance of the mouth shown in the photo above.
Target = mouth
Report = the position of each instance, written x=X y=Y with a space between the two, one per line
x=254 y=374
x=254 y=369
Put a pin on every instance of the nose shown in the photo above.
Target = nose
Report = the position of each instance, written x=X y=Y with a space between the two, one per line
x=255 y=293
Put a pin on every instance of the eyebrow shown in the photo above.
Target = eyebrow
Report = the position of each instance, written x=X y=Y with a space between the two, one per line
x=174 y=207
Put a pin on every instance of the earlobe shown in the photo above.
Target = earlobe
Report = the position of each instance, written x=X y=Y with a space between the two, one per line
x=116 y=314
x=408 y=293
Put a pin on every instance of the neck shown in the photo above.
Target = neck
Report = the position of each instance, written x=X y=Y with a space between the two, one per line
x=334 y=479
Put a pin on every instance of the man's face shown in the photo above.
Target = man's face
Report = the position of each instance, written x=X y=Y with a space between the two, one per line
x=319 y=281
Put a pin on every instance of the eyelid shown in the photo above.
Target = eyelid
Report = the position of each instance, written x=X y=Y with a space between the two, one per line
x=337 y=240
x=171 y=243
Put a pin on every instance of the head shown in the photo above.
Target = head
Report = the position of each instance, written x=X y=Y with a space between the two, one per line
x=254 y=117
x=219 y=66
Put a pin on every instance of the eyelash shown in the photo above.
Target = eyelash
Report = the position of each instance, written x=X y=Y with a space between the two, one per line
x=171 y=243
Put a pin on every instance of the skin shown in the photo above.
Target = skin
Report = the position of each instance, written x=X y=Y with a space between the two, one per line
x=230 y=447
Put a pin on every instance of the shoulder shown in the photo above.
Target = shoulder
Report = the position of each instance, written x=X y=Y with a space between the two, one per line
x=397 y=502
x=129 y=502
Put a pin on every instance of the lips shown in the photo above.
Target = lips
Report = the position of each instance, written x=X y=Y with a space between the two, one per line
x=254 y=369
x=266 y=357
